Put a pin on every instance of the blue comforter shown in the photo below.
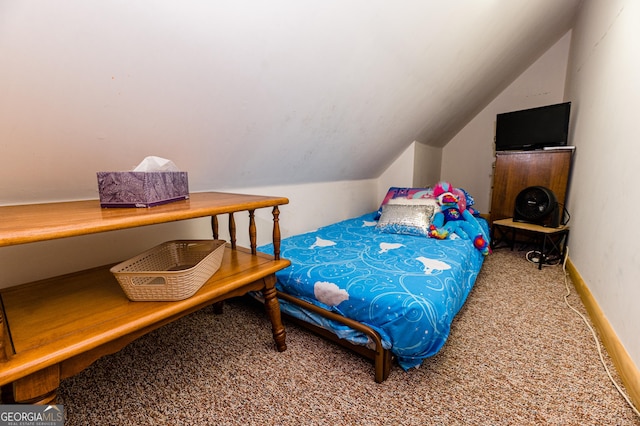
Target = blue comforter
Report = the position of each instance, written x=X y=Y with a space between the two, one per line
x=407 y=288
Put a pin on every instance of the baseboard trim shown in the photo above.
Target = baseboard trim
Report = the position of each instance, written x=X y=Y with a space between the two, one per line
x=628 y=371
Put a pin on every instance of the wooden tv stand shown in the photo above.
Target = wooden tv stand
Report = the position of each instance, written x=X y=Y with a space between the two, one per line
x=54 y=328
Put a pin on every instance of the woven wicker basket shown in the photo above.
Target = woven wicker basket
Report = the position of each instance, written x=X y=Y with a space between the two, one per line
x=174 y=270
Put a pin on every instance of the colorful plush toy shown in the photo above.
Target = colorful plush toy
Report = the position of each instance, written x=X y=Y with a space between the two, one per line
x=455 y=218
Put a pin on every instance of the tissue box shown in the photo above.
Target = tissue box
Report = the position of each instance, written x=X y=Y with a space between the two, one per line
x=141 y=189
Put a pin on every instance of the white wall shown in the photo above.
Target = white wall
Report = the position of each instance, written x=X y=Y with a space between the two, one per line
x=417 y=166
x=242 y=94
x=313 y=205
x=399 y=173
x=427 y=165
x=604 y=86
x=246 y=93
x=467 y=160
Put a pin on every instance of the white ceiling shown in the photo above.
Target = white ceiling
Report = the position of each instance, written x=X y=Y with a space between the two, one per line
x=250 y=93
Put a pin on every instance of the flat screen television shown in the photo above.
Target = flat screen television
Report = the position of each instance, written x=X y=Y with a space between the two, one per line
x=534 y=128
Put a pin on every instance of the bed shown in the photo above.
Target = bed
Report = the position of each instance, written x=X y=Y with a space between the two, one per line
x=378 y=283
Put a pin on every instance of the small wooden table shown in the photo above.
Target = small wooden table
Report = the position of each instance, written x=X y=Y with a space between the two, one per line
x=550 y=240
x=54 y=328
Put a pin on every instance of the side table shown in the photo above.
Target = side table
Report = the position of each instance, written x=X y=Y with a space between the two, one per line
x=549 y=240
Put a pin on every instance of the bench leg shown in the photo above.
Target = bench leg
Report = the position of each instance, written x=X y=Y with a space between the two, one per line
x=218 y=308
x=272 y=307
x=40 y=387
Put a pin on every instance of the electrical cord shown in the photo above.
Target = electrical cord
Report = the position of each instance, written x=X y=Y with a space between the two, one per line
x=593 y=333
x=565 y=217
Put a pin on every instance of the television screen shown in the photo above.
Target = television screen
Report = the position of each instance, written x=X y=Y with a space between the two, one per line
x=533 y=128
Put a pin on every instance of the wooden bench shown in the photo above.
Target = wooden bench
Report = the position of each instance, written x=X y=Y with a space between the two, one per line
x=54 y=328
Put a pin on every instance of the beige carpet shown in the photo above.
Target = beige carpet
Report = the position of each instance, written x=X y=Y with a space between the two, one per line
x=516 y=355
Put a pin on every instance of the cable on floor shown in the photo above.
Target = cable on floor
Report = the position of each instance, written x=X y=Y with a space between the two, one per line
x=593 y=333
x=533 y=256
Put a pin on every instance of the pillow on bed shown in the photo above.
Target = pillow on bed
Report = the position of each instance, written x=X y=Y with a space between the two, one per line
x=417 y=202
x=406 y=219
x=405 y=193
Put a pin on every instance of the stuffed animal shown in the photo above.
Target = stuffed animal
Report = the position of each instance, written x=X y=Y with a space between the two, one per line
x=455 y=218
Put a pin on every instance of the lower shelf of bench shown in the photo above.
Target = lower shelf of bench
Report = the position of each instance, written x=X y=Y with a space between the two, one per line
x=59 y=326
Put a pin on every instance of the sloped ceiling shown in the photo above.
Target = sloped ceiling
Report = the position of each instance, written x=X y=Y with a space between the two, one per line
x=246 y=93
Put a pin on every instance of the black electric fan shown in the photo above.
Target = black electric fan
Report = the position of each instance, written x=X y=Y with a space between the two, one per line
x=537 y=205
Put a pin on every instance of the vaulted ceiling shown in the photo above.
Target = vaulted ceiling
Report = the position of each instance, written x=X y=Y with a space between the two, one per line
x=245 y=93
